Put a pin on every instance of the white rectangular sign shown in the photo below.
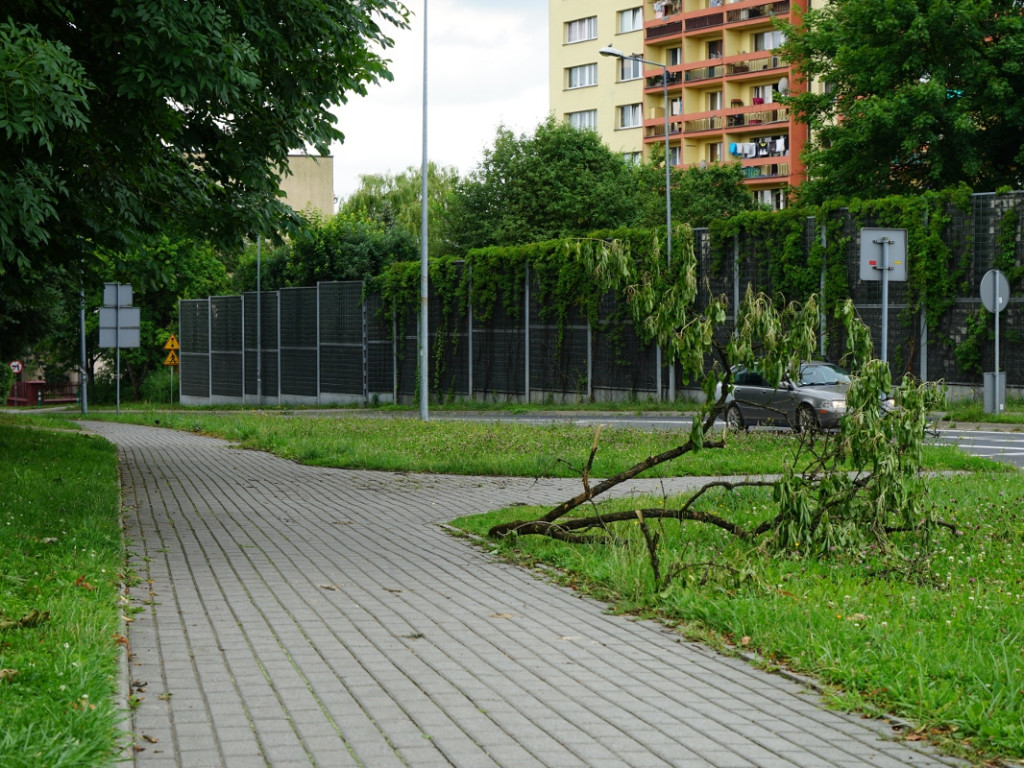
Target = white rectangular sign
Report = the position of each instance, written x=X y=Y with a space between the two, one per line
x=119 y=327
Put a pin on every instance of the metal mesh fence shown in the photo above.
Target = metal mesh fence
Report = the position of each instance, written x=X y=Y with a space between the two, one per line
x=342 y=365
x=226 y=346
x=194 y=338
x=331 y=340
x=298 y=323
x=261 y=379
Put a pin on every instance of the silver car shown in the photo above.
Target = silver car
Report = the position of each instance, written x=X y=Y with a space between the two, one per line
x=816 y=401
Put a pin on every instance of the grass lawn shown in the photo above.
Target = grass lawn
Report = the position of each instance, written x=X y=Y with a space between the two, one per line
x=61 y=565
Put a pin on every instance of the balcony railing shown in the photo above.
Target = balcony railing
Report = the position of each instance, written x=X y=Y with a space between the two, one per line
x=754 y=65
x=705 y=22
x=703 y=73
x=674 y=78
x=664 y=30
x=702 y=124
x=761 y=117
x=657 y=130
x=758 y=11
x=766 y=171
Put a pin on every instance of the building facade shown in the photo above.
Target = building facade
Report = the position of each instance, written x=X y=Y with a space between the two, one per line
x=724 y=83
x=592 y=91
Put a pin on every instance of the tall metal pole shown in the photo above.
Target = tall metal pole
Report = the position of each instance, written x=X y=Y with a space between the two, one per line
x=668 y=223
x=83 y=392
x=259 y=322
x=424 y=271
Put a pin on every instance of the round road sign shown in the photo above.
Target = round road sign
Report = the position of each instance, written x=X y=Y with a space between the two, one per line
x=995 y=290
x=17 y=367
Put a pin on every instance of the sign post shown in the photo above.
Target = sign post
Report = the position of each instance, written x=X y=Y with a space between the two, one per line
x=171 y=360
x=119 y=324
x=995 y=293
x=883 y=256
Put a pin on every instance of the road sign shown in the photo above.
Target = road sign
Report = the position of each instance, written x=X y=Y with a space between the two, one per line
x=172 y=343
x=995 y=290
x=883 y=252
x=119 y=327
x=172 y=358
x=17 y=367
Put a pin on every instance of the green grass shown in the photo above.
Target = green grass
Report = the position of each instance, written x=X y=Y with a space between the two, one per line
x=61 y=560
x=944 y=649
x=973 y=411
x=492 y=448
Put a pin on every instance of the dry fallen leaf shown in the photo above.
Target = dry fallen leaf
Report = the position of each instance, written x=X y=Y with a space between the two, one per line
x=7 y=674
x=81 y=582
x=502 y=616
x=331 y=587
x=745 y=640
x=150 y=739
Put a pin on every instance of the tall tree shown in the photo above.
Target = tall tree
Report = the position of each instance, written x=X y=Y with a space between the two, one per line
x=699 y=195
x=558 y=182
x=922 y=94
x=120 y=119
x=395 y=201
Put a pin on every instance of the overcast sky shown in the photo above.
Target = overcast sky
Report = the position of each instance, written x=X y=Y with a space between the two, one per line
x=487 y=66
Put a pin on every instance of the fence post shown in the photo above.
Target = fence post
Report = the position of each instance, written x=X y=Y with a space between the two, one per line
x=924 y=328
x=821 y=292
x=736 y=284
x=366 y=343
x=469 y=339
x=526 y=322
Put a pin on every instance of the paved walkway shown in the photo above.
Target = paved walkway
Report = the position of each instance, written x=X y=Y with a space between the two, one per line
x=294 y=616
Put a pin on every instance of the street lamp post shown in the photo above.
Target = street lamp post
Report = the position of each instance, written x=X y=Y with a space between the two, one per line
x=616 y=53
x=424 y=363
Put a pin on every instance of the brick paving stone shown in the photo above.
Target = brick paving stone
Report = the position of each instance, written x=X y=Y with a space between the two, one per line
x=302 y=616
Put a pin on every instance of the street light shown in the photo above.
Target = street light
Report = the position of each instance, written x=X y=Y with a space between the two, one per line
x=616 y=53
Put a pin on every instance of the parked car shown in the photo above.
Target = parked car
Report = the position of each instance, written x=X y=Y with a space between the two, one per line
x=817 y=400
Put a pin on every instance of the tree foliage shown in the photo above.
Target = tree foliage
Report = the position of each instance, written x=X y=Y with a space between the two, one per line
x=923 y=94
x=558 y=182
x=845 y=490
x=395 y=200
x=122 y=119
x=699 y=195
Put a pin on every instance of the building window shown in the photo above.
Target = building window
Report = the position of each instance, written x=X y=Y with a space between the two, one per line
x=630 y=69
x=631 y=116
x=676 y=106
x=762 y=94
x=766 y=41
x=773 y=198
x=581 y=29
x=585 y=120
x=714 y=49
x=714 y=101
x=673 y=156
x=581 y=77
x=674 y=57
x=715 y=152
x=631 y=20
x=633 y=158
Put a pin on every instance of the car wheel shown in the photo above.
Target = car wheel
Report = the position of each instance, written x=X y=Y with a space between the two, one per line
x=806 y=420
x=734 y=419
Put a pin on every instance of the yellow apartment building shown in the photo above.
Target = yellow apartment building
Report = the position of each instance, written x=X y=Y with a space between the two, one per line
x=724 y=82
x=592 y=91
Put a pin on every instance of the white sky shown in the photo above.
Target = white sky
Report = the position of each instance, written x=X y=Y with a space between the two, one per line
x=487 y=66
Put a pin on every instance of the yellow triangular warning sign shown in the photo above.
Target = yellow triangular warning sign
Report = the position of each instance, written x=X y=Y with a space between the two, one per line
x=172 y=343
x=172 y=358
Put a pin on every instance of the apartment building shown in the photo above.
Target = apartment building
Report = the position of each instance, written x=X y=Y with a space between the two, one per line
x=592 y=91
x=724 y=83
